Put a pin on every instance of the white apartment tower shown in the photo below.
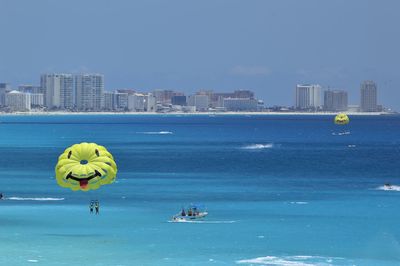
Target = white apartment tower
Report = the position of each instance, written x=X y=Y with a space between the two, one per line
x=108 y=101
x=36 y=99
x=18 y=101
x=58 y=90
x=89 y=92
x=138 y=102
x=369 y=97
x=308 y=96
x=201 y=102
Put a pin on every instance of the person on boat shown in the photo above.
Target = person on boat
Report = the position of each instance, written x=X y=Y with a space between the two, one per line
x=190 y=212
x=388 y=186
x=97 y=206
x=1 y=196
x=91 y=206
x=183 y=213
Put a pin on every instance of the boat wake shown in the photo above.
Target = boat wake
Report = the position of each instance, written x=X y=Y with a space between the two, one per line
x=258 y=146
x=156 y=133
x=389 y=188
x=299 y=202
x=293 y=261
x=38 y=199
x=341 y=133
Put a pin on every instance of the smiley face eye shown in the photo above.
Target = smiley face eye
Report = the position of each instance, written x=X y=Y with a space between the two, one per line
x=97 y=152
x=69 y=154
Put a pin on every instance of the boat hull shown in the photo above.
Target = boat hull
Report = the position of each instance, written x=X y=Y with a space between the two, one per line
x=180 y=218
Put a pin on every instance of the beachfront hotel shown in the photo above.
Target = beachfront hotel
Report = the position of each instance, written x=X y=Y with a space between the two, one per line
x=240 y=104
x=335 y=100
x=308 y=96
x=369 y=98
x=89 y=90
x=18 y=101
x=4 y=87
x=58 y=90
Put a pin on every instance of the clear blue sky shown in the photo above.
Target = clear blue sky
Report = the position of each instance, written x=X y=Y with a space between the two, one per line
x=266 y=46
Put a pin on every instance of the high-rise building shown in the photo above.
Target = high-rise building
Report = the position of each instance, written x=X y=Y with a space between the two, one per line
x=4 y=88
x=335 y=100
x=30 y=89
x=165 y=96
x=217 y=99
x=58 y=90
x=139 y=102
x=18 y=101
x=369 y=97
x=37 y=99
x=308 y=96
x=178 y=100
x=243 y=94
x=200 y=101
x=121 y=101
x=129 y=91
x=89 y=92
x=109 y=101
x=240 y=104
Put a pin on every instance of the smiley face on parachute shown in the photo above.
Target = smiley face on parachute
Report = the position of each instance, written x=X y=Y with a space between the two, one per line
x=85 y=166
x=341 y=119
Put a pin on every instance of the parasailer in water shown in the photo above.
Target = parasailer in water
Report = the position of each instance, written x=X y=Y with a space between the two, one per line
x=341 y=119
x=97 y=206
x=85 y=166
x=91 y=206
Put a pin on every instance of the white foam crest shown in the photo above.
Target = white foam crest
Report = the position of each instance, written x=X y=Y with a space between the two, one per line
x=290 y=261
x=298 y=202
x=39 y=199
x=156 y=133
x=389 y=188
x=258 y=146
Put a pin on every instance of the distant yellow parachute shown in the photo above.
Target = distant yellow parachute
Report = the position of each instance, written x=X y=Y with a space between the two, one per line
x=85 y=166
x=342 y=119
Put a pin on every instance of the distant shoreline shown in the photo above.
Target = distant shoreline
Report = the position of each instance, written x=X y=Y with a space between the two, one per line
x=196 y=114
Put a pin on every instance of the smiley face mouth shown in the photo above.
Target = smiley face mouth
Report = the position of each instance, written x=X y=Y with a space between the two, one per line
x=83 y=182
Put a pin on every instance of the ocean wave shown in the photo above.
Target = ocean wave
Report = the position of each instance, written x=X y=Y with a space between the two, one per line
x=156 y=133
x=389 y=188
x=39 y=199
x=291 y=261
x=258 y=146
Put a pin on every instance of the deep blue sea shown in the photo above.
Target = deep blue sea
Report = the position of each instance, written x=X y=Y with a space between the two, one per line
x=280 y=190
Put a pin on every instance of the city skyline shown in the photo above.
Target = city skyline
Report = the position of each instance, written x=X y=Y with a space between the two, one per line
x=356 y=99
x=263 y=46
x=85 y=92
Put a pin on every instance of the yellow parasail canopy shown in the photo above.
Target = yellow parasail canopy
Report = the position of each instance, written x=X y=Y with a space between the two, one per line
x=342 y=119
x=85 y=166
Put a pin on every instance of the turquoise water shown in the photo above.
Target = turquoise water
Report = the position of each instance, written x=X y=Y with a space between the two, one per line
x=280 y=190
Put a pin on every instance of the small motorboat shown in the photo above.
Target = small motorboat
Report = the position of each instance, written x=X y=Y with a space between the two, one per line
x=193 y=212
